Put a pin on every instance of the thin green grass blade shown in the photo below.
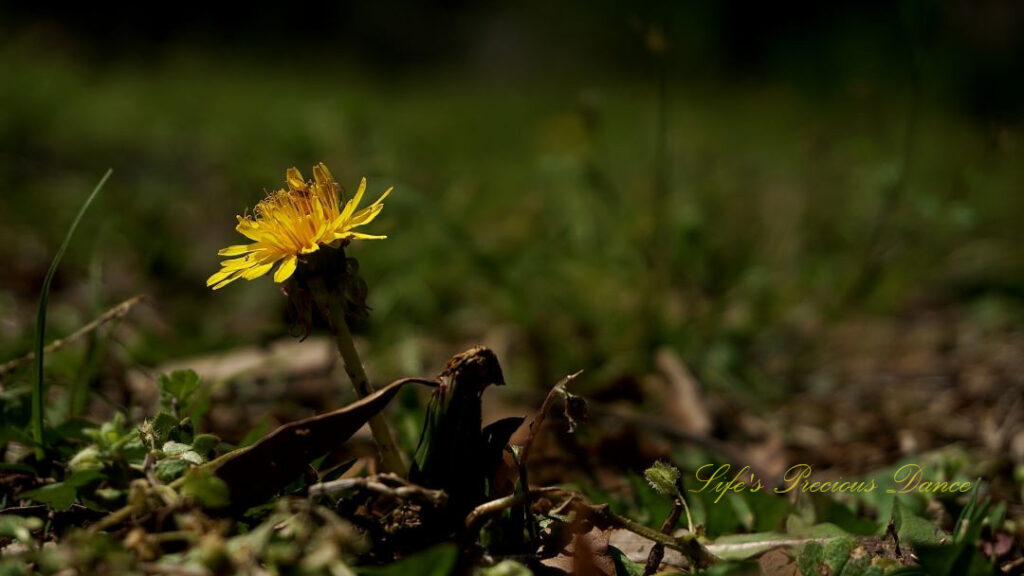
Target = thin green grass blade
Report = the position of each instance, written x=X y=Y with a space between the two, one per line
x=44 y=295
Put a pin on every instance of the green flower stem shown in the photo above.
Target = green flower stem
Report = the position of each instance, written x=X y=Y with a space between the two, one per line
x=389 y=454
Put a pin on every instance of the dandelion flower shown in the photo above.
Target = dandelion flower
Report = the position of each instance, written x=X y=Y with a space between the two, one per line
x=293 y=222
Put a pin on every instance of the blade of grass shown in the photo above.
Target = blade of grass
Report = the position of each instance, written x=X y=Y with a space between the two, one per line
x=44 y=295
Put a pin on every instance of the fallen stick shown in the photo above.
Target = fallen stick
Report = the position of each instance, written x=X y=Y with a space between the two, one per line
x=387 y=484
x=114 y=313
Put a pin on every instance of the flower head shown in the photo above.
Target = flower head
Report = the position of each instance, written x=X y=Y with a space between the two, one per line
x=291 y=223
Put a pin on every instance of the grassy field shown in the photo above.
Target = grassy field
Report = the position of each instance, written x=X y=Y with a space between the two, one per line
x=756 y=230
x=532 y=204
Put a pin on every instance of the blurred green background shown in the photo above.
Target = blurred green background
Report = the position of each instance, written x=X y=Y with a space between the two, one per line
x=581 y=183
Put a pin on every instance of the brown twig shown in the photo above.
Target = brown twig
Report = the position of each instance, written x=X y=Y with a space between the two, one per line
x=506 y=502
x=558 y=390
x=387 y=484
x=687 y=544
x=114 y=313
x=658 y=550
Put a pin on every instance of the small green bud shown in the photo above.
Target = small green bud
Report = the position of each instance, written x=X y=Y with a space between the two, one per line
x=663 y=477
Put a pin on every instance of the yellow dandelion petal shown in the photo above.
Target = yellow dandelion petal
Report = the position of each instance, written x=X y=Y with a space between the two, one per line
x=226 y=282
x=238 y=263
x=291 y=222
x=219 y=276
x=237 y=250
x=382 y=196
x=359 y=236
x=322 y=175
x=257 y=271
x=286 y=269
x=249 y=229
x=364 y=216
x=350 y=206
x=223 y=278
x=294 y=179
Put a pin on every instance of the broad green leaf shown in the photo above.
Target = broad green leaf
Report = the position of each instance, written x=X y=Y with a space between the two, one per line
x=811 y=558
x=769 y=510
x=797 y=526
x=59 y=496
x=205 y=443
x=179 y=385
x=837 y=553
x=83 y=477
x=828 y=509
x=162 y=425
x=960 y=559
x=170 y=469
x=914 y=529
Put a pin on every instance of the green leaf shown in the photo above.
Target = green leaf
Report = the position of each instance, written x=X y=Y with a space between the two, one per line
x=769 y=510
x=59 y=496
x=14 y=434
x=83 y=477
x=652 y=506
x=16 y=467
x=207 y=489
x=205 y=443
x=179 y=385
x=811 y=558
x=40 y=338
x=969 y=524
x=837 y=553
x=829 y=510
x=170 y=469
x=437 y=561
x=175 y=448
x=162 y=426
x=955 y=560
x=797 y=526
x=258 y=431
x=914 y=529
x=624 y=565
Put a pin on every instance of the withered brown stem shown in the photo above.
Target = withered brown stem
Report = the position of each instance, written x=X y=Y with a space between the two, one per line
x=390 y=456
x=658 y=550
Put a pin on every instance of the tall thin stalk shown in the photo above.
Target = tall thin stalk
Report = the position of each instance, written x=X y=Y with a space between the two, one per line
x=38 y=387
